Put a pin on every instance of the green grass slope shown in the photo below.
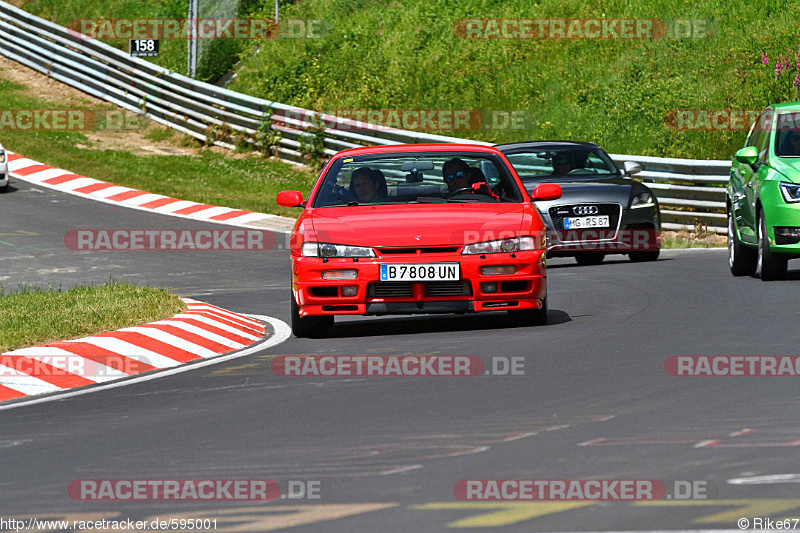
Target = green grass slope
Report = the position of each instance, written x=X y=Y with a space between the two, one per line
x=406 y=54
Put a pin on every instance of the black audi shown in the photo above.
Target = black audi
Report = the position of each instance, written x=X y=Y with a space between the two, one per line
x=601 y=211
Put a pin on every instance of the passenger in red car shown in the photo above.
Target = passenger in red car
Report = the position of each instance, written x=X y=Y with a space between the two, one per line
x=368 y=185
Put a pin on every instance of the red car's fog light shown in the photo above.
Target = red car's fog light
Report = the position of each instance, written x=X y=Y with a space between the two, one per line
x=339 y=274
x=489 y=287
x=498 y=270
x=349 y=290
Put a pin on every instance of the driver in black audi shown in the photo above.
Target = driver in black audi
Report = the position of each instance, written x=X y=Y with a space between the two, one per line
x=564 y=163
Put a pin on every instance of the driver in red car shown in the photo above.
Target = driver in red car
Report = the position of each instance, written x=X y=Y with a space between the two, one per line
x=456 y=174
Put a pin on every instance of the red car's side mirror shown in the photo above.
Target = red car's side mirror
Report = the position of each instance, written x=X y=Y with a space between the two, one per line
x=546 y=192
x=290 y=198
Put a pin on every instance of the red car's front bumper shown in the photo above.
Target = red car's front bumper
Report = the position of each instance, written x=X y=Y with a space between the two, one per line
x=525 y=289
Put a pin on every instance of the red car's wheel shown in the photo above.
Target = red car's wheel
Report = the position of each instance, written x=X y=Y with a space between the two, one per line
x=309 y=326
x=530 y=317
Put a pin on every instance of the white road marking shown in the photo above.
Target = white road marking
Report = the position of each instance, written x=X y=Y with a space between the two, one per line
x=191 y=328
x=24 y=383
x=766 y=480
x=173 y=340
x=217 y=324
x=131 y=350
x=281 y=332
x=243 y=221
x=48 y=174
x=111 y=191
x=98 y=372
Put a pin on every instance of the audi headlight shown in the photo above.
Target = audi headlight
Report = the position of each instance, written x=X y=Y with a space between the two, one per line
x=324 y=249
x=2 y=156
x=643 y=199
x=791 y=192
x=516 y=244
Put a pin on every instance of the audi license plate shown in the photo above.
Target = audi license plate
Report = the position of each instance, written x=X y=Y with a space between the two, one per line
x=421 y=272
x=601 y=221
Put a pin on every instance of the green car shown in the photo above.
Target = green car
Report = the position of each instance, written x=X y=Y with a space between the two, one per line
x=764 y=196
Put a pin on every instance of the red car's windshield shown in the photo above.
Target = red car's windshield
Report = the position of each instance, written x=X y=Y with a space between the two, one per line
x=417 y=178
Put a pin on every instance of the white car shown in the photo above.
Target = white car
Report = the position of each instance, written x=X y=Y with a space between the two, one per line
x=4 y=177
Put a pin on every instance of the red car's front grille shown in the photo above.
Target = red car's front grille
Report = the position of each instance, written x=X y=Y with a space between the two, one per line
x=391 y=290
x=421 y=250
x=448 y=288
x=435 y=289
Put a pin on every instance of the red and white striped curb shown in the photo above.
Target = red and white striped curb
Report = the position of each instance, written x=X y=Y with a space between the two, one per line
x=65 y=181
x=203 y=331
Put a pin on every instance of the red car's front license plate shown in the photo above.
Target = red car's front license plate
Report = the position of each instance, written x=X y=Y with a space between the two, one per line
x=421 y=272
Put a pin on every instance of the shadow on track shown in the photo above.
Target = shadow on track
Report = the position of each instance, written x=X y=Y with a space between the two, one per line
x=616 y=261
x=435 y=324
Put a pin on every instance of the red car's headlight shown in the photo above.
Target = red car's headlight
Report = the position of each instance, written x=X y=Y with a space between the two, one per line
x=516 y=244
x=324 y=249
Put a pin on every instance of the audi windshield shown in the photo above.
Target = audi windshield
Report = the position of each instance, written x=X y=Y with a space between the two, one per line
x=545 y=164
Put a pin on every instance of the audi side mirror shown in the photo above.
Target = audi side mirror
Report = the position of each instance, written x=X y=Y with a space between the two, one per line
x=632 y=168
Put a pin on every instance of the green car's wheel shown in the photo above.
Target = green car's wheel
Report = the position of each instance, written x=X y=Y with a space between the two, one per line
x=589 y=258
x=741 y=258
x=310 y=326
x=769 y=266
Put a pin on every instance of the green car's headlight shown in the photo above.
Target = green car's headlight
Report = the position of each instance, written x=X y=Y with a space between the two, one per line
x=324 y=249
x=791 y=192
x=643 y=199
x=516 y=244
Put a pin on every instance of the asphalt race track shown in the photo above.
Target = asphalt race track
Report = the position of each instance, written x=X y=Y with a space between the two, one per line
x=594 y=400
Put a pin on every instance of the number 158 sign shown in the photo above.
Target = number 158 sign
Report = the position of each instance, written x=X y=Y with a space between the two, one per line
x=143 y=47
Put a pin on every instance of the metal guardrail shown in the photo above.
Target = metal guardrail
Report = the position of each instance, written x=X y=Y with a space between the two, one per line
x=689 y=191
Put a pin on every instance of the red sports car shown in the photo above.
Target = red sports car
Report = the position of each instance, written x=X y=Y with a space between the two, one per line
x=407 y=229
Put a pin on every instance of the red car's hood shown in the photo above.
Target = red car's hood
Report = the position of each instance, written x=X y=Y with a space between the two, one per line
x=435 y=224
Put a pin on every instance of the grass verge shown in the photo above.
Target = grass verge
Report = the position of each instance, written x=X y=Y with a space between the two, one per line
x=685 y=239
x=247 y=181
x=31 y=315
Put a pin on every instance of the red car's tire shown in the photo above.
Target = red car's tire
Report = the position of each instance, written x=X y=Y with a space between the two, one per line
x=310 y=326
x=530 y=317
